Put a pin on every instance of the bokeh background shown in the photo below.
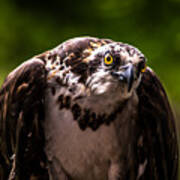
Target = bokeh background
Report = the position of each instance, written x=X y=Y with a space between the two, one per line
x=29 y=27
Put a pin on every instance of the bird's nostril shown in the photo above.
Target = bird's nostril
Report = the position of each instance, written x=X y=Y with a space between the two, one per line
x=126 y=75
x=115 y=74
x=119 y=76
x=122 y=78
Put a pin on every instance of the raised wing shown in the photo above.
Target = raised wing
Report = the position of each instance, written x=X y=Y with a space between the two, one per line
x=157 y=148
x=21 y=114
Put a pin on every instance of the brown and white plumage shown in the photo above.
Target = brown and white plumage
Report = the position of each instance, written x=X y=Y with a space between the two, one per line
x=68 y=114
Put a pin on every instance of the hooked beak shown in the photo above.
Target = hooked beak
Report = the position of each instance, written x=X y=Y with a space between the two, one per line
x=127 y=75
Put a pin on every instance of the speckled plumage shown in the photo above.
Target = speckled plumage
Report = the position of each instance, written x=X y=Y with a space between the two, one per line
x=66 y=114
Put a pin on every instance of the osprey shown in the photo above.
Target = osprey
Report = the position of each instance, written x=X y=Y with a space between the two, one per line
x=88 y=109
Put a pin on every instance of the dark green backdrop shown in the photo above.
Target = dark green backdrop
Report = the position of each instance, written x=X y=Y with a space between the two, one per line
x=31 y=27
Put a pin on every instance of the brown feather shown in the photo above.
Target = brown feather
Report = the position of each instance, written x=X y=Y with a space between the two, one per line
x=21 y=112
x=157 y=130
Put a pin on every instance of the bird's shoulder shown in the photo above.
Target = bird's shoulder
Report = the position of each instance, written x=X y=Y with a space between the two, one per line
x=21 y=114
x=157 y=142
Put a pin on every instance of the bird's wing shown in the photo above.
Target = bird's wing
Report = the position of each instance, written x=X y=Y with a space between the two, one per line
x=21 y=114
x=157 y=148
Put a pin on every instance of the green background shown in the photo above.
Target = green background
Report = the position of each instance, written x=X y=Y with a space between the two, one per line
x=28 y=28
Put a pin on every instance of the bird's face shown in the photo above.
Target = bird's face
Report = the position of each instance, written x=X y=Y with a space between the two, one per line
x=114 y=69
x=91 y=76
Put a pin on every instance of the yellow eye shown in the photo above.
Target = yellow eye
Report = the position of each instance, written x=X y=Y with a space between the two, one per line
x=108 y=59
x=144 y=69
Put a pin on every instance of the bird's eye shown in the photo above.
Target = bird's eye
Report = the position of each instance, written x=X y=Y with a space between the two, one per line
x=108 y=59
x=142 y=66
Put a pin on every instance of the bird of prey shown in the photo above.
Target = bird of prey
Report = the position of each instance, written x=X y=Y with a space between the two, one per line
x=89 y=109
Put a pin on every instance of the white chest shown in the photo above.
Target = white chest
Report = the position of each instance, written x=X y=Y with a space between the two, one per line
x=82 y=154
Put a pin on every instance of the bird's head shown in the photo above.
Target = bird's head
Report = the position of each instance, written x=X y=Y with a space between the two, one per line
x=114 y=68
x=95 y=75
x=97 y=68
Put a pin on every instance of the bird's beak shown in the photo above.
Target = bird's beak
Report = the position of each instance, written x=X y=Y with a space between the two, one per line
x=126 y=75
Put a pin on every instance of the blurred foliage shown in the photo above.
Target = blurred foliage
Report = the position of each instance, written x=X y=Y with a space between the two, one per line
x=31 y=27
